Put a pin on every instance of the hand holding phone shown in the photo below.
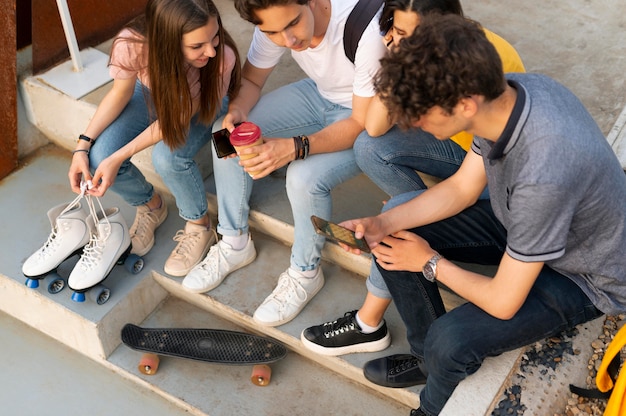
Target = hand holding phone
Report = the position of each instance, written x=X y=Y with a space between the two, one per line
x=221 y=141
x=339 y=234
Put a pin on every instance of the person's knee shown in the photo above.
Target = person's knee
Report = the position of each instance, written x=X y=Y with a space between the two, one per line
x=96 y=155
x=162 y=159
x=444 y=349
x=366 y=150
x=300 y=179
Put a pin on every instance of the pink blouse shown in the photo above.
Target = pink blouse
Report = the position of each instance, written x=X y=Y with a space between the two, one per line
x=128 y=59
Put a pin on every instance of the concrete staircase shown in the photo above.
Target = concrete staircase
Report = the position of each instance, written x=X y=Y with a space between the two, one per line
x=152 y=298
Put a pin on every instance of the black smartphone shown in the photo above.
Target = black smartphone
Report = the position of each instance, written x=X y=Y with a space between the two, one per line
x=338 y=233
x=221 y=141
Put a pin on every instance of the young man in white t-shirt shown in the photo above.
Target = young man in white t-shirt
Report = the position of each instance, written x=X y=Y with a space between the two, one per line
x=310 y=125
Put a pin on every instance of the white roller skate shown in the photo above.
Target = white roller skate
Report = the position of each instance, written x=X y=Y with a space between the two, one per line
x=70 y=233
x=110 y=244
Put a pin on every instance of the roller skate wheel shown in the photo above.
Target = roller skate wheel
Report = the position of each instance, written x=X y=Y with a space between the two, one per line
x=55 y=283
x=100 y=294
x=133 y=263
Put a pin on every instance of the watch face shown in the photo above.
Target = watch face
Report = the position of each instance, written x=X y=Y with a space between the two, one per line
x=430 y=268
x=428 y=272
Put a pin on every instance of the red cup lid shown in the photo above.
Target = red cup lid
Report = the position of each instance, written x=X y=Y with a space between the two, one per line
x=244 y=134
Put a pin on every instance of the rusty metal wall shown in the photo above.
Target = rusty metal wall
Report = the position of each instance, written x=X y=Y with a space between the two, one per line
x=94 y=22
x=8 y=90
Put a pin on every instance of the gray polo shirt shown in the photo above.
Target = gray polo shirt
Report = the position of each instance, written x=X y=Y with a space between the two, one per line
x=559 y=190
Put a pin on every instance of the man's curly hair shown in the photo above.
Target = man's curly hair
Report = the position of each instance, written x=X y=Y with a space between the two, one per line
x=447 y=58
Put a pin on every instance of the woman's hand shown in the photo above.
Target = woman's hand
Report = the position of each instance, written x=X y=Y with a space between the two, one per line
x=79 y=170
x=105 y=175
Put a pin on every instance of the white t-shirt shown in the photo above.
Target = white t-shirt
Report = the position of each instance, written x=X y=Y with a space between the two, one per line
x=336 y=77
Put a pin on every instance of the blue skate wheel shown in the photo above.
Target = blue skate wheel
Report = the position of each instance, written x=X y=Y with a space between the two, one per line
x=31 y=283
x=100 y=294
x=78 y=297
x=133 y=263
x=55 y=283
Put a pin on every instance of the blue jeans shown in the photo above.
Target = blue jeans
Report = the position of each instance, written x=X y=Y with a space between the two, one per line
x=294 y=109
x=179 y=171
x=391 y=161
x=454 y=344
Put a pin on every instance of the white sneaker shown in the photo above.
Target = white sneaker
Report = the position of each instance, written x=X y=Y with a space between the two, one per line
x=220 y=261
x=109 y=241
x=70 y=233
x=288 y=299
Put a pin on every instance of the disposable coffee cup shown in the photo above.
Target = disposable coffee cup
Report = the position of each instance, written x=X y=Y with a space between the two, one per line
x=245 y=135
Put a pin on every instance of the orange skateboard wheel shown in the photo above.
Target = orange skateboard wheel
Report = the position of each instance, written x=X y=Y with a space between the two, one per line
x=261 y=375
x=148 y=364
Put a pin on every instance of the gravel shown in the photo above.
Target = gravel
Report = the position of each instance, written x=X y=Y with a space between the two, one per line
x=541 y=384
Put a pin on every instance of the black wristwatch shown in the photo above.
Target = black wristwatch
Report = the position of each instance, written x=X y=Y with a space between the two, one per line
x=430 y=268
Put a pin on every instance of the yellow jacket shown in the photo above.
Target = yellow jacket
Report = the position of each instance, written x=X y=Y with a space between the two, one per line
x=511 y=62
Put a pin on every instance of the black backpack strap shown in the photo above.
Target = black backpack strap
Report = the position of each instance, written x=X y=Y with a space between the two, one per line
x=357 y=21
x=613 y=370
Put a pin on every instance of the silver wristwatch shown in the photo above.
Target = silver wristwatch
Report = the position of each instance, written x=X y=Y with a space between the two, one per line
x=430 y=268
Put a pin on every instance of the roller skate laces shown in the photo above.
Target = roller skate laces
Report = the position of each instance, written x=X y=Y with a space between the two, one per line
x=70 y=232
x=109 y=241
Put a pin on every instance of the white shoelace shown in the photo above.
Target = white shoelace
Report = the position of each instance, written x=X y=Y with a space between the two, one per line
x=340 y=326
x=288 y=289
x=211 y=262
x=52 y=244
x=92 y=253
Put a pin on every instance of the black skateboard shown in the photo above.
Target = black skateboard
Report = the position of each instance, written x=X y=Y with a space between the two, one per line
x=211 y=345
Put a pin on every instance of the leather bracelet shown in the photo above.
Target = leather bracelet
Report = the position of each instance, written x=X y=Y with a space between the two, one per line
x=86 y=138
x=301 y=144
x=80 y=150
x=305 y=145
x=298 y=147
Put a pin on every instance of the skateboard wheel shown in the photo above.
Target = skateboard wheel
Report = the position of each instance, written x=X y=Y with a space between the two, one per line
x=31 y=283
x=261 y=375
x=55 y=283
x=148 y=364
x=99 y=294
x=133 y=263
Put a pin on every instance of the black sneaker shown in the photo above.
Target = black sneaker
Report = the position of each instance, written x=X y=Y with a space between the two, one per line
x=399 y=370
x=344 y=336
x=417 y=412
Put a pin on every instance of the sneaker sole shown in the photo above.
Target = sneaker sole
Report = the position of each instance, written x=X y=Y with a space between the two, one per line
x=289 y=319
x=144 y=251
x=204 y=290
x=372 y=346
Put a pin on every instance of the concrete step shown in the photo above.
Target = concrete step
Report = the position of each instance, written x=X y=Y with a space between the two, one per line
x=94 y=330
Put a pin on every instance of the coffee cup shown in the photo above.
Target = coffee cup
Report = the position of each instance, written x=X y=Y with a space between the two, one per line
x=245 y=135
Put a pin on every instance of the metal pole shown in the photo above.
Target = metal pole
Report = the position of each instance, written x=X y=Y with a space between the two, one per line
x=70 y=36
